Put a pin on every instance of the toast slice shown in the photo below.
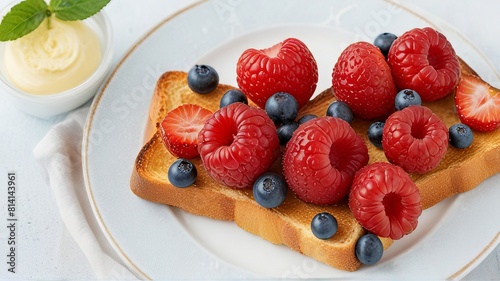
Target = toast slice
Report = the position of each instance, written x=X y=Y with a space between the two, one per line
x=289 y=224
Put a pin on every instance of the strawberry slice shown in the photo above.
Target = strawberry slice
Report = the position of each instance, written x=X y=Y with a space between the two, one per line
x=478 y=104
x=180 y=128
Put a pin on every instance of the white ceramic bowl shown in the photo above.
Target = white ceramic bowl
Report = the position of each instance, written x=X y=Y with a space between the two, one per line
x=47 y=106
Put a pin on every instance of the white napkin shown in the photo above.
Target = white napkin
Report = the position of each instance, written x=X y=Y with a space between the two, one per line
x=59 y=152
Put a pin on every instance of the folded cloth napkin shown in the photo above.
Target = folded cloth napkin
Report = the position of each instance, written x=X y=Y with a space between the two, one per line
x=59 y=152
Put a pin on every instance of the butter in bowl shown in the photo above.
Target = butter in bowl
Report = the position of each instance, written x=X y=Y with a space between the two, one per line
x=57 y=58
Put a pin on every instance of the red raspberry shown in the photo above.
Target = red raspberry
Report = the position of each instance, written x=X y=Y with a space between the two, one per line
x=423 y=60
x=415 y=139
x=385 y=200
x=237 y=144
x=287 y=67
x=362 y=79
x=321 y=159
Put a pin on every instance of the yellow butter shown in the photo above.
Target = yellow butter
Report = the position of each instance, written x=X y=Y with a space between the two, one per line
x=52 y=60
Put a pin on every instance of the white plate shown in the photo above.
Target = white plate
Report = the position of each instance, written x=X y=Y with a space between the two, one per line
x=160 y=242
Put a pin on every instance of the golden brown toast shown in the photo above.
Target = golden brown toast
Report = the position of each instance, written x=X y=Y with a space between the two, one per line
x=289 y=224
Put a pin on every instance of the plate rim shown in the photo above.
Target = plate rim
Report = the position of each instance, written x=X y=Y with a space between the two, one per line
x=86 y=135
x=94 y=107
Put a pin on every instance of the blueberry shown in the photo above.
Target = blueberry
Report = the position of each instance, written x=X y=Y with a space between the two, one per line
x=306 y=118
x=270 y=190
x=375 y=133
x=405 y=98
x=340 y=110
x=369 y=249
x=282 y=107
x=232 y=96
x=182 y=173
x=461 y=136
x=285 y=132
x=384 y=42
x=202 y=79
x=324 y=225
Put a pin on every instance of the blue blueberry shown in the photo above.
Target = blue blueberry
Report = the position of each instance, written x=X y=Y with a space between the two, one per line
x=202 y=79
x=324 y=225
x=232 y=96
x=182 y=173
x=285 y=132
x=384 y=42
x=461 y=136
x=270 y=190
x=340 y=110
x=306 y=118
x=282 y=107
x=369 y=249
x=407 y=97
x=375 y=133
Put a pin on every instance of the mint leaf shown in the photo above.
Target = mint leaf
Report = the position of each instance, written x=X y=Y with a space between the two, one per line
x=76 y=9
x=22 y=19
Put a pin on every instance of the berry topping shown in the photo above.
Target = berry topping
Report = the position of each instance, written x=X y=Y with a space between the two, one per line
x=478 y=104
x=270 y=190
x=407 y=97
x=340 y=110
x=384 y=42
x=375 y=132
x=282 y=108
x=423 y=59
x=285 y=132
x=288 y=67
x=180 y=127
x=321 y=159
x=306 y=118
x=385 y=200
x=182 y=173
x=237 y=144
x=232 y=96
x=461 y=136
x=369 y=249
x=362 y=79
x=415 y=139
x=324 y=225
x=202 y=79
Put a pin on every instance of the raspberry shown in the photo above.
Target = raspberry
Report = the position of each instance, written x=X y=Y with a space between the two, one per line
x=287 y=67
x=362 y=79
x=385 y=200
x=237 y=144
x=321 y=159
x=415 y=139
x=422 y=59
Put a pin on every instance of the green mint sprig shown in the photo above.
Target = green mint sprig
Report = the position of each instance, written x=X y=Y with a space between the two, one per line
x=27 y=15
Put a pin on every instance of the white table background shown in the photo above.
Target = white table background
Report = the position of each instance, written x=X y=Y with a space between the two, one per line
x=45 y=248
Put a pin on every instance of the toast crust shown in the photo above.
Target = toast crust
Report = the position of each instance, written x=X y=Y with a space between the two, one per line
x=289 y=224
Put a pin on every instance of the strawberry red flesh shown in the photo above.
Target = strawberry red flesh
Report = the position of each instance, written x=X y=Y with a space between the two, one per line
x=478 y=104
x=180 y=127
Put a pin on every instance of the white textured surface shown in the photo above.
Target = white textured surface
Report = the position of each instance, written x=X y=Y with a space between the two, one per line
x=46 y=251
